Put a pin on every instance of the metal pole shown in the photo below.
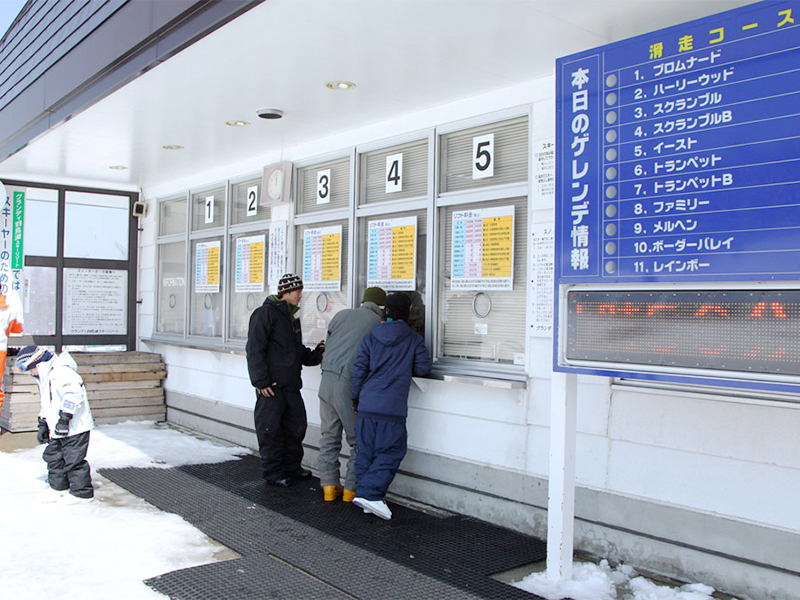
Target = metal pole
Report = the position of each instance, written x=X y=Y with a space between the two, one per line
x=561 y=488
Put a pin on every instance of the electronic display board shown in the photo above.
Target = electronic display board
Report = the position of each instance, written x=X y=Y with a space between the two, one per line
x=678 y=158
x=748 y=331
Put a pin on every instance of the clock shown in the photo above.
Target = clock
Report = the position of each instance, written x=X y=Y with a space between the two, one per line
x=277 y=183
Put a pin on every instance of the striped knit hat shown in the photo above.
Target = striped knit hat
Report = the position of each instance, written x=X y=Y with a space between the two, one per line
x=289 y=283
x=30 y=356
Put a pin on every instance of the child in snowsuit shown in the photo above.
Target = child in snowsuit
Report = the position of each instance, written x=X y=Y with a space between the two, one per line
x=64 y=421
x=387 y=358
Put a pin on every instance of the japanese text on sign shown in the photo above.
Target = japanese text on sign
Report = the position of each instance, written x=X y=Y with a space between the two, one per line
x=392 y=253
x=207 y=268
x=322 y=259
x=483 y=249
x=250 y=264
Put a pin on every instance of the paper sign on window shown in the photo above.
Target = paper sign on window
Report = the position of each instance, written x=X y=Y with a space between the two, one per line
x=250 y=264
x=207 y=268
x=392 y=253
x=483 y=249
x=322 y=259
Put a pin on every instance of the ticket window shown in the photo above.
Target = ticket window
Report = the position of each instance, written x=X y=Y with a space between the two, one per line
x=248 y=250
x=207 y=260
x=482 y=245
x=171 y=282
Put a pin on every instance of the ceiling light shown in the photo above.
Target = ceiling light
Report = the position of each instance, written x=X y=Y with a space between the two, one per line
x=118 y=167
x=340 y=85
x=237 y=123
x=172 y=147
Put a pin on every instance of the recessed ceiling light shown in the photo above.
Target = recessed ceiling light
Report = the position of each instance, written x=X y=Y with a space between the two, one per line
x=237 y=123
x=340 y=85
x=118 y=167
x=172 y=147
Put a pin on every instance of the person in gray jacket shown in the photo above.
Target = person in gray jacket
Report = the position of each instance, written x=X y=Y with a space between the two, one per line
x=335 y=405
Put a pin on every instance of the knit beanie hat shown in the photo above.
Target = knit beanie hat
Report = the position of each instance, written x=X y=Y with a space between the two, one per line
x=374 y=294
x=30 y=356
x=289 y=283
x=398 y=307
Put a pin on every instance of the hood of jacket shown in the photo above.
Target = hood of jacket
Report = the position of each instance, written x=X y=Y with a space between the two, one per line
x=60 y=360
x=290 y=309
x=391 y=333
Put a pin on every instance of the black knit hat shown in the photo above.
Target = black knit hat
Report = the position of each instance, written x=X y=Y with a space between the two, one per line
x=30 y=356
x=398 y=307
x=289 y=283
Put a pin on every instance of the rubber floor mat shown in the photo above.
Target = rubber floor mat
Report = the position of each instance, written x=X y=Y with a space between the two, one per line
x=351 y=554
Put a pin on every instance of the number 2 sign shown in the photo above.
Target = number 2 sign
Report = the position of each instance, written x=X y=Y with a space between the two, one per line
x=483 y=156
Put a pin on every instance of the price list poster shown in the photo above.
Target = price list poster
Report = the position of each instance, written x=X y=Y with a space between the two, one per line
x=250 y=264
x=483 y=249
x=392 y=256
x=322 y=259
x=206 y=265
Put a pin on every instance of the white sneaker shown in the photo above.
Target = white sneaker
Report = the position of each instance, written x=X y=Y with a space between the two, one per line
x=70 y=499
x=376 y=507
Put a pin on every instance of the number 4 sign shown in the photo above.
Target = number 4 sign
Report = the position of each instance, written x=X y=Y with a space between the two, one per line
x=483 y=156
x=394 y=173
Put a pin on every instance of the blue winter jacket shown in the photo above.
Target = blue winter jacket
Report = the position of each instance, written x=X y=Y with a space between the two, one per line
x=387 y=358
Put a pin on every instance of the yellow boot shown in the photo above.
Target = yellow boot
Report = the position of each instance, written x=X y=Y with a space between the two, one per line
x=331 y=492
x=348 y=495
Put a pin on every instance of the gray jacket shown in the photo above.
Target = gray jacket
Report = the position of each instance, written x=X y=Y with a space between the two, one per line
x=344 y=335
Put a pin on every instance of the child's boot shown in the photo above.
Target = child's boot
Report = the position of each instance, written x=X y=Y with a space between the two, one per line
x=331 y=492
x=348 y=495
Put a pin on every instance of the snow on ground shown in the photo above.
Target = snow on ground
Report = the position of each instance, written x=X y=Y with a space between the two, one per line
x=600 y=582
x=103 y=549
x=106 y=548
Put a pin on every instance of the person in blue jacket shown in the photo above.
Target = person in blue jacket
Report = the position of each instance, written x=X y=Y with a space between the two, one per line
x=388 y=357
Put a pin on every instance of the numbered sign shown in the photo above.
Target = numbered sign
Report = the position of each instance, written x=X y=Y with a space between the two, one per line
x=324 y=186
x=483 y=156
x=252 y=201
x=209 y=209
x=394 y=173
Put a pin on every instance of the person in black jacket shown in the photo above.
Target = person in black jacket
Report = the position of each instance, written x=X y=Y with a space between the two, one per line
x=275 y=358
x=388 y=357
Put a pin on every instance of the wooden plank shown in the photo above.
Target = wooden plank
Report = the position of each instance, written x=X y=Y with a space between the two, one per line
x=132 y=394
x=103 y=413
x=139 y=403
x=123 y=385
x=122 y=368
x=91 y=377
x=154 y=416
x=106 y=358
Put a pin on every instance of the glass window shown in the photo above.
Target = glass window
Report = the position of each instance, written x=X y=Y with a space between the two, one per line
x=39 y=301
x=40 y=228
x=483 y=324
x=501 y=147
x=171 y=288
x=395 y=173
x=172 y=217
x=96 y=226
x=394 y=276
x=248 y=203
x=248 y=279
x=324 y=186
x=205 y=317
x=326 y=282
x=208 y=209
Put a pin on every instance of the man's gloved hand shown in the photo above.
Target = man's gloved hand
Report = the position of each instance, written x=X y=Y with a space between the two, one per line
x=320 y=348
x=355 y=404
x=43 y=433
x=62 y=427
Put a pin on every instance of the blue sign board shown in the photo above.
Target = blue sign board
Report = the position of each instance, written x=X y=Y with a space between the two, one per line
x=678 y=161
x=678 y=155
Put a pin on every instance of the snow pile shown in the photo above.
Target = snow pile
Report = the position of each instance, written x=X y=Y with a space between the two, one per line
x=103 y=549
x=600 y=582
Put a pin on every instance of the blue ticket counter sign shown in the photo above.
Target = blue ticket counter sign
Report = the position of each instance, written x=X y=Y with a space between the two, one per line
x=678 y=166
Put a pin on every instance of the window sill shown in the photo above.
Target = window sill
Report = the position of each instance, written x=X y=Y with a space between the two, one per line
x=510 y=383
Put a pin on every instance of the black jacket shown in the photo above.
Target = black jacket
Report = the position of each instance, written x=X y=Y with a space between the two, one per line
x=275 y=350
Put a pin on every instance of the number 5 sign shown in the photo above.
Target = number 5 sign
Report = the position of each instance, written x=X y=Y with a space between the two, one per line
x=483 y=156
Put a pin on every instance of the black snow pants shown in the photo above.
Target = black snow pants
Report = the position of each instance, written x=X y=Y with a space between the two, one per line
x=67 y=468
x=281 y=424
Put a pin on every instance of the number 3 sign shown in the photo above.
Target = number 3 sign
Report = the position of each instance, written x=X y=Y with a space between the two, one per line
x=483 y=156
